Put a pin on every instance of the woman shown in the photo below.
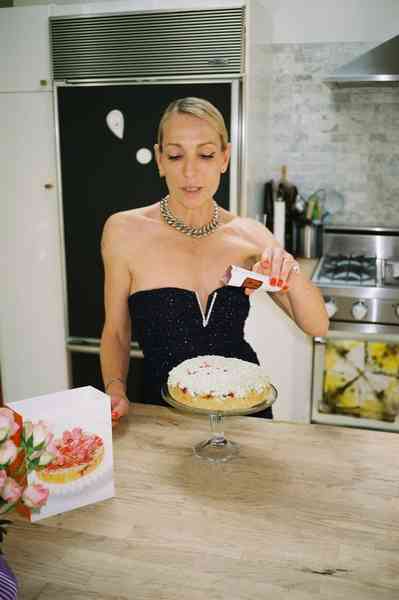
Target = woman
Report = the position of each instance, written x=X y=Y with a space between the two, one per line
x=164 y=263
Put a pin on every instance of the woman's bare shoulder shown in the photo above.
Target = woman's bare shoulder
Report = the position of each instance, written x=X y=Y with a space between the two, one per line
x=251 y=230
x=125 y=226
x=130 y=218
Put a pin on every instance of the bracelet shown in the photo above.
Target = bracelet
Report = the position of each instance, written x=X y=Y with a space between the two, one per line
x=113 y=381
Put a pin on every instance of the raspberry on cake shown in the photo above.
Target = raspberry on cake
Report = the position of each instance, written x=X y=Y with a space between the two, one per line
x=79 y=453
x=218 y=383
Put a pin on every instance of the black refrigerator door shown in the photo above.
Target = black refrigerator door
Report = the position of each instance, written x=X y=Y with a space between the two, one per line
x=85 y=370
x=101 y=175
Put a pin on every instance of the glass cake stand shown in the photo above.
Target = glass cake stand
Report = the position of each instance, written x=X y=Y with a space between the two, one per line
x=217 y=448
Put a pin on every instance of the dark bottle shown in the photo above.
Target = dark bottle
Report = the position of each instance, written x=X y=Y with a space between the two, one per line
x=288 y=191
x=268 y=207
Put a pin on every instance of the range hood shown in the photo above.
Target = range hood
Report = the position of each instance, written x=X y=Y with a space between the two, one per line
x=378 y=66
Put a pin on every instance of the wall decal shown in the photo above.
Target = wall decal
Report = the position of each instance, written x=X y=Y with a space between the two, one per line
x=116 y=123
x=144 y=156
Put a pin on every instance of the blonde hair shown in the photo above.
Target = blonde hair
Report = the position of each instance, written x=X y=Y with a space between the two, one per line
x=198 y=107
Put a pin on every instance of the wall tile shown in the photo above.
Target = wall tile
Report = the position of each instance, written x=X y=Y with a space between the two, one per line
x=345 y=139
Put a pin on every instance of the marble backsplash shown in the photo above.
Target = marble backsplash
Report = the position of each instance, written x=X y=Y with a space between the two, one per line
x=344 y=139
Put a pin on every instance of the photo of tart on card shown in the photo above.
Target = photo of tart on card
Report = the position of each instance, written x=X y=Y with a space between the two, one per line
x=79 y=454
x=240 y=277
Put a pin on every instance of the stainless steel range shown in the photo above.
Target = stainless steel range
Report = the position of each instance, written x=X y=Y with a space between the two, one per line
x=356 y=367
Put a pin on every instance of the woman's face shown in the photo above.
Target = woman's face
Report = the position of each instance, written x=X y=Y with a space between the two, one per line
x=191 y=160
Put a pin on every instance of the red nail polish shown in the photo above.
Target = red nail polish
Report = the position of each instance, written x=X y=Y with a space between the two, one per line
x=273 y=281
x=280 y=283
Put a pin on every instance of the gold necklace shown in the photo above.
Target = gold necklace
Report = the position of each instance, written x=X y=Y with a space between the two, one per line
x=196 y=232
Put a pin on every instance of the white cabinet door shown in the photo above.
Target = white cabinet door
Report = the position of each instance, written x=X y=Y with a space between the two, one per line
x=24 y=49
x=32 y=331
x=285 y=352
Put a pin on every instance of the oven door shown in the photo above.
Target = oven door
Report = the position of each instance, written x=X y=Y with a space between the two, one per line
x=356 y=377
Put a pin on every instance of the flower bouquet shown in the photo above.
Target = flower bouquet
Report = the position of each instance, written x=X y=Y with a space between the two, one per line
x=24 y=447
x=56 y=455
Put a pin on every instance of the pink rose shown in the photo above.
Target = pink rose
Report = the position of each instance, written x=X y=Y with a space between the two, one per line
x=40 y=434
x=27 y=430
x=8 y=426
x=49 y=438
x=52 y=448
x=3 y=477
x=8 y=453
x=48 y=456
x=35 y=496
x=11 y=491
x=44 y=448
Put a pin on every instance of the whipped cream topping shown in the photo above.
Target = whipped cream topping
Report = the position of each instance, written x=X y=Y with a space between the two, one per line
x=218 y=376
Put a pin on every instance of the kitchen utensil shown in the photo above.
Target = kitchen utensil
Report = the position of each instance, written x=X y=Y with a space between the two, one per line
x=334 y=202
x=310 y=240
x=288 y=193
x=268 y=207
x=279 y=221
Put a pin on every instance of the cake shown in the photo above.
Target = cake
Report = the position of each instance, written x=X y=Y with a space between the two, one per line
x=218 y=383
x=79 y=453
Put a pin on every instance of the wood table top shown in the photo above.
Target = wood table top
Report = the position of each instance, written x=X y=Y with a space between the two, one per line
x=304 y=512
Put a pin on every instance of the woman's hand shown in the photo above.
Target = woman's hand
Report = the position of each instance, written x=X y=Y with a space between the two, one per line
x=279 y=265
x=119 y=407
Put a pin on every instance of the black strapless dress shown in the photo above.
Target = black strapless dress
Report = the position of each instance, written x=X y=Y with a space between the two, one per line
x=170 y=326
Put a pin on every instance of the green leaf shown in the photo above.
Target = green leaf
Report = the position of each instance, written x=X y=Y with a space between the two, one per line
x=32 y=464
x=29 y=443
x=40 y=446
x=9 y=507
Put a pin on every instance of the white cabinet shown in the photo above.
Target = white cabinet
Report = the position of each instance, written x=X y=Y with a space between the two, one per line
x=24 y=49
x=32 y=337
x=286 y=354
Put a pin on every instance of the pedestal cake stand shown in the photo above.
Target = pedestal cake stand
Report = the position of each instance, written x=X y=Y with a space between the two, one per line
x=217 y=448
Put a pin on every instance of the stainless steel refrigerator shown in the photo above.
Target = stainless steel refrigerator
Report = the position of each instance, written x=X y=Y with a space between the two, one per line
x=106 y=134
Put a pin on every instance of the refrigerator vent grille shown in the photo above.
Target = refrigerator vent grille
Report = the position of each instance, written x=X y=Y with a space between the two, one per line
x=148 y=44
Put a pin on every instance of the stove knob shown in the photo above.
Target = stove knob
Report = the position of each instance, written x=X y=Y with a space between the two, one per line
x=359 y=310
x=331 y=307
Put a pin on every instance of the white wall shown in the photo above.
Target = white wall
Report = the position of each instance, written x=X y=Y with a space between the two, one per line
x=77 y=6
x=256 y=106
x=312 y=21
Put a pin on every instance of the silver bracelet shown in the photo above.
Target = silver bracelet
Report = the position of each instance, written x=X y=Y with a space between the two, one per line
x=113 y=381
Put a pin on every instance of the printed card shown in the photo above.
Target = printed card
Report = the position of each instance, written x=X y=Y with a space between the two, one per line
x=64 y=444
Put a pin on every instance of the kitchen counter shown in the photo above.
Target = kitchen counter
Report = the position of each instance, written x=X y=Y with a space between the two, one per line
x=305 y=512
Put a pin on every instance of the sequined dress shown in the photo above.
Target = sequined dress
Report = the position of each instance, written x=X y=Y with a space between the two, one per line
x=171 y=326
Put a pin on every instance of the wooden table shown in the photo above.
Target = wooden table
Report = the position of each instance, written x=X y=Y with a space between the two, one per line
x=305 y=512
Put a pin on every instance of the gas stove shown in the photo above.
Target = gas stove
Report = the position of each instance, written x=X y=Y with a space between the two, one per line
x=343 y=270
x=359 y=275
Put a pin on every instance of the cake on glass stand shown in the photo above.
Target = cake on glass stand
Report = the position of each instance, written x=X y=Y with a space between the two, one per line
x=217 y=448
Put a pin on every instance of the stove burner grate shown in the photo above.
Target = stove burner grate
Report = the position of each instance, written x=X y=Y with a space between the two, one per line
x=352 y=269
